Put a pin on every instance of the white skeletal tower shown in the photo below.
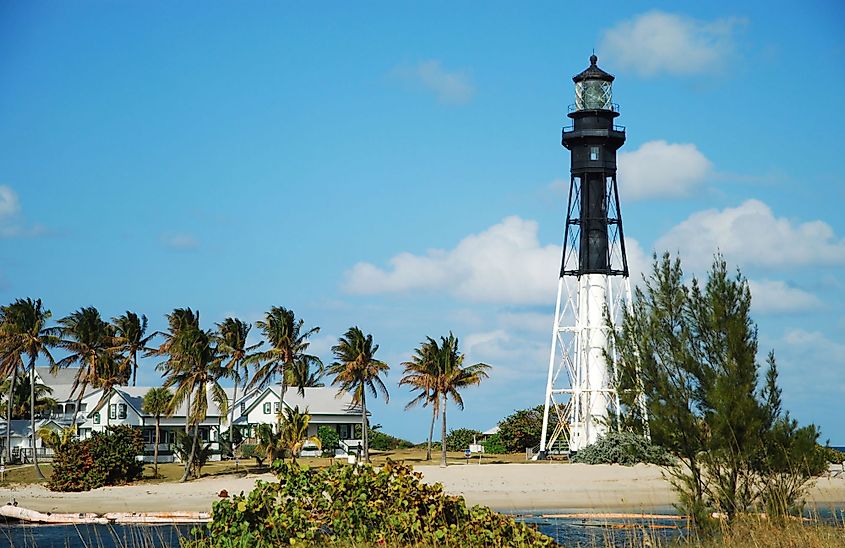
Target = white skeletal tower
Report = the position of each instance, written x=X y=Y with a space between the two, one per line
x=594 y=283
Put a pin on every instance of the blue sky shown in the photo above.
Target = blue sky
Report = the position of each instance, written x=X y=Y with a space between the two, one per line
x=399 y=168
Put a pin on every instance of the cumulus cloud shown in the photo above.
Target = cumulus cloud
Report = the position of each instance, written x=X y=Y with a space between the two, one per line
x=661 y=170
x=179 y=241
x=9 y=203
x=513 y=357
x=12 y=224
x=450 y=87
x=504 y=264
x=750 y=234
x=777 y=297
x=658 y=42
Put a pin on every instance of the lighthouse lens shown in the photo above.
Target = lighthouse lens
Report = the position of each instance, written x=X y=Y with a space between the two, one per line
x=593 y=95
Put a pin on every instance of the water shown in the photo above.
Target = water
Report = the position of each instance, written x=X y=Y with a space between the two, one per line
x=100 y=536
x=567 y=531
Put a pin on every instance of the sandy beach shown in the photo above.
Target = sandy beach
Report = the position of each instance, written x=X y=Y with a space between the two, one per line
x=504 y=487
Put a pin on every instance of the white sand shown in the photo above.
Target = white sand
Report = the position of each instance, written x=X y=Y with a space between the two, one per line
x=505 y=487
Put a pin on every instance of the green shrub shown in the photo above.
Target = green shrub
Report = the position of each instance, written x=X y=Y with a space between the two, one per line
x=329 y=440
x=624 y=448
x=493 y=445
x=385 y=442
x=357 y=505
x=103 y=459
x=460 y=439
x=252 y=451
x=522 y=429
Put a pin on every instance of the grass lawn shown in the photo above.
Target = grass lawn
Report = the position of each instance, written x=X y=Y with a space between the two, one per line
x=172 y=472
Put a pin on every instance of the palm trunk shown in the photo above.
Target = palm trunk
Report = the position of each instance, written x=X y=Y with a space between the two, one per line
x=9 y=415
x=365 y=427
x=134 y=366
x=108 y=411
x=78 y=406
x=155 y=449
x=443 y=435
x=232 y=417
x=193 y=452
x=32 y=416
x=188 y=416
x=431 y=432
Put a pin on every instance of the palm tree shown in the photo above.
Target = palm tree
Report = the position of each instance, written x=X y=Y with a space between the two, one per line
x=23 y=332
x=356 y=371
x=287 y=357
x=179 y=321
x=129 y=336
x=156 y=403
x=194 y=370
x=231 y=343
x=421 y=373
x=21 y=397
x=452 y=378
x=88 y=339
x=10 y=368
x=293 y=431
x=111 y=372
x=270 y=442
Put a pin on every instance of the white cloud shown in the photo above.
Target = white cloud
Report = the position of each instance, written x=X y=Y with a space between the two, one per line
x=451 y=87
x=179 y=241
x=776 y=296
x=12 y=224
x=9 y=203
x=750 y=234
x=659 y=169
x=512 y=357
x=658 y=42
x=504 y=264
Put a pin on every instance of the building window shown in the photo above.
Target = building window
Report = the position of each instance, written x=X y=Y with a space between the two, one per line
x=276 y=408
x=243 y=407
x=121 y=411
x=83 y=407
x=113 y=411
x=594 y=153
x=267 y=408
x=343 y=431
x=97 y=418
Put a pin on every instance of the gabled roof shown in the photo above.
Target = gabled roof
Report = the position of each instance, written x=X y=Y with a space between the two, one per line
x=318 y=400
x=22 y=428
x=61 y=382
x=134 y=396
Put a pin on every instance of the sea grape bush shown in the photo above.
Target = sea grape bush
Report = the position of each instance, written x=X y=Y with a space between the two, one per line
x=103 y=459
x=493 y=445
x=461 y=438
x=624 y=448
x=356 y=505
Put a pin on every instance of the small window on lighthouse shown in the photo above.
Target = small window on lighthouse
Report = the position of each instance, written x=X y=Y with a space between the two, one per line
x=594 y=153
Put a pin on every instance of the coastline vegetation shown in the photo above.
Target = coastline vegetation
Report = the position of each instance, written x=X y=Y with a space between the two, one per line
x=357 y=505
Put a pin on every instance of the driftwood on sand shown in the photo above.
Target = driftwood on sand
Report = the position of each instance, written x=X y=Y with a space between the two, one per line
x=24 y=514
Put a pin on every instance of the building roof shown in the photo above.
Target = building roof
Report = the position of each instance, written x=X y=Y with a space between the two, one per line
x=318 y=400
x=593 y=72
x=61 y=381
x=22 y=428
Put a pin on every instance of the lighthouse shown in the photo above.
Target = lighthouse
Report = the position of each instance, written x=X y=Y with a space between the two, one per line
x=593 y=286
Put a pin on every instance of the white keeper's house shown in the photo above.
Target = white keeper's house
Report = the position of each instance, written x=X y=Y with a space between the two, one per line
x=124 y=406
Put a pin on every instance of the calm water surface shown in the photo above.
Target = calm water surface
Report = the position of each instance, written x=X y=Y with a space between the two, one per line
x=568 y=532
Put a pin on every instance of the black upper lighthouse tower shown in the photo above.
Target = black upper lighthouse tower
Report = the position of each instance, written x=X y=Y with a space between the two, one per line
x=593 y=215
x=593 y=280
